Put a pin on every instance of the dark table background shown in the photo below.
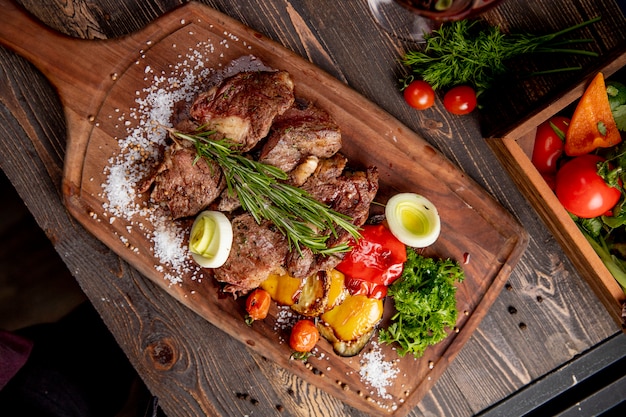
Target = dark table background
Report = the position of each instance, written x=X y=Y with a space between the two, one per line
x=196 y=369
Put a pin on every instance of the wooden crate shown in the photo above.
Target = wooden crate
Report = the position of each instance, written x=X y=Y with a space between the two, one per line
x=514 y=149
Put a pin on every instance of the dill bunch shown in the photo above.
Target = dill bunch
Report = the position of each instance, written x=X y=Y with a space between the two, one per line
x=460 y=53
x=259 y=187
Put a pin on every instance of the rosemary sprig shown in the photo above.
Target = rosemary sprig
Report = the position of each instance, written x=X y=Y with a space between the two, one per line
x=456 y=53
x=301 y=218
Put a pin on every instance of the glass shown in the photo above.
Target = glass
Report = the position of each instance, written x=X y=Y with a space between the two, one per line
x=411 y=19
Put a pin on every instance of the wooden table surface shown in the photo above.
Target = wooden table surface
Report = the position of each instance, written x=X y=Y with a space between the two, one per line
x=546 y=316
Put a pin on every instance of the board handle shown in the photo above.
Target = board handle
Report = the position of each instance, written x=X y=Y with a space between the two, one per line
x=70 y=64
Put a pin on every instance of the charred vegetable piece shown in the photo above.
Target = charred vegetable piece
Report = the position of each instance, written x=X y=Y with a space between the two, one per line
x=356 y=316
x=376 y=259
x=313 y=295
x=342 y=347
x=283 y=288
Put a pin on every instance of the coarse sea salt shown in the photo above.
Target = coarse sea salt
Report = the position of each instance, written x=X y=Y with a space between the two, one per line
x=146 y=125
x=376 y=371
x=145 y=136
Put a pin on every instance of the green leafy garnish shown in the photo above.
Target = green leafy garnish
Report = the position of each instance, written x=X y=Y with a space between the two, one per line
x=301 y=218
x=616 y=92
x=425 y=301
x=458 y=53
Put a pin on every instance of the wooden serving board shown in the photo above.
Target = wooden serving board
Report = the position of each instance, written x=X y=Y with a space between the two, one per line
x=101 y=85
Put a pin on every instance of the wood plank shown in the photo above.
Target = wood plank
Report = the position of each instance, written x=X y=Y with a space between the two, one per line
x=472 y=222
x=344 y=42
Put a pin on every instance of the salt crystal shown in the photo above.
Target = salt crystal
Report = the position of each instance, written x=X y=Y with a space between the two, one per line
x=376 y=371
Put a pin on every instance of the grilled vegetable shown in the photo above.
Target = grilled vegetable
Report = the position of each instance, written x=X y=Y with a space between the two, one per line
x=342 y=347
x=350 y=325
x=320 y=293
x=283 y=288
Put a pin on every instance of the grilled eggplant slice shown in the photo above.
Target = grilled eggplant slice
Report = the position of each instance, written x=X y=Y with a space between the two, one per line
x=341 y=347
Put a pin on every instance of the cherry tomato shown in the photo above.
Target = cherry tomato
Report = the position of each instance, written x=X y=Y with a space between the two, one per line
x=377 y=258
x=549 y=142
x=460 y=100
x=258 y=304
x=419 y=95
x=304 y=336
x=582 y=191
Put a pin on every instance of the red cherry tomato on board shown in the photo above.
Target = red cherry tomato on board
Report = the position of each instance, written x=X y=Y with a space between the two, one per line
x=377 y=259
x=549 y=142
x=304 y=336
x=258 y=304
x=582 y=191
x=460 y=100
x=419 y=95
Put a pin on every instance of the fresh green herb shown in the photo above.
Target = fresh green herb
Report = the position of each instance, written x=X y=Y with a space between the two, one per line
x=613 y=263
x=606 y=234
x=617 y=100
x=425 y=301
x=301 y=218
x=458 y=53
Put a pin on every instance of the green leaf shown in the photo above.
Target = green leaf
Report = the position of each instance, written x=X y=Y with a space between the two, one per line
x=619 y=114
x=425 y=301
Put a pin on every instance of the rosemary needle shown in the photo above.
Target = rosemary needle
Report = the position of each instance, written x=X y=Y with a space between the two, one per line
x=296 y=214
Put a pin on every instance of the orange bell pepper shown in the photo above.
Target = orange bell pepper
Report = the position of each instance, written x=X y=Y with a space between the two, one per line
x=592 y=125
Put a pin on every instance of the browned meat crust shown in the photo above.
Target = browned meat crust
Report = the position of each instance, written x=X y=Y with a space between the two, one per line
x=243 y=109
x=299 y=133
x=184 y=185
x=258 y=250
x=244 y=106
x=351 y=194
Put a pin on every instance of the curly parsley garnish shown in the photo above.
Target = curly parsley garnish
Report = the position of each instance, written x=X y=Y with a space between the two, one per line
x=425 y=301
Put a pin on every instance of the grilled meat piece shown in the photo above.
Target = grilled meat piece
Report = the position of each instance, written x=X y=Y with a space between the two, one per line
x=351 y=194
x=183 y=186
x=298 y=134
x=258 y=250
x=244 y=106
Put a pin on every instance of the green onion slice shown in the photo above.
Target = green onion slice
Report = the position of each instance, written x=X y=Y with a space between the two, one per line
x=413 y=219
x=211 y=239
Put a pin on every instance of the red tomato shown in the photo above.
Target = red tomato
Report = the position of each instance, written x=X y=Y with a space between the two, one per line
x=258 y=304
x=419 y=95
x=582 y=191
x=377 y=259
x=549 y=142
x=460 y=100
x=304 y=336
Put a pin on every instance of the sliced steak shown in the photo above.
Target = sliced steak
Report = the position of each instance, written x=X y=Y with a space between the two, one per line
x=257 y=251
x=181 y=183
x=298 y=134
x=244 y=106
x=351 y=194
